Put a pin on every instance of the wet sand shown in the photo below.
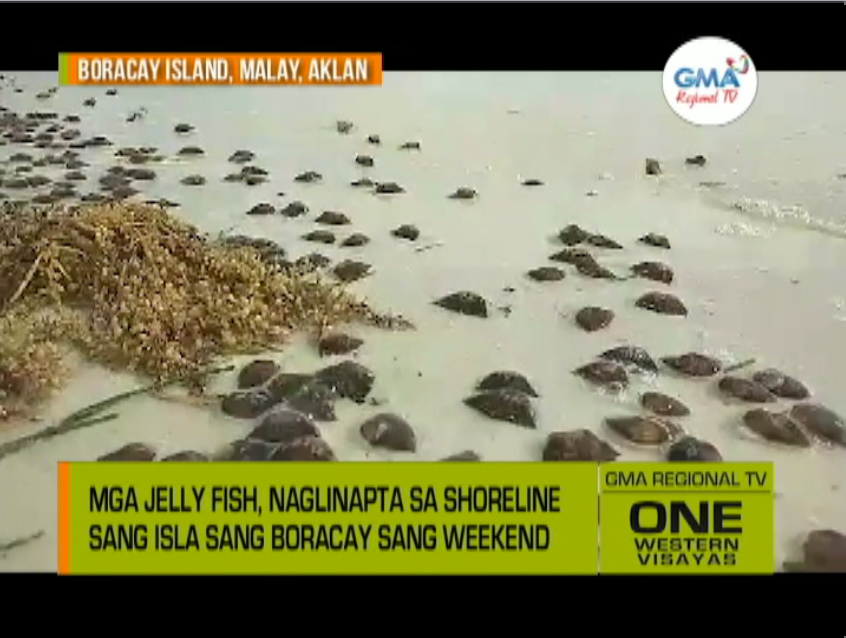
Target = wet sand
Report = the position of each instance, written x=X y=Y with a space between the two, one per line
x=756 y=285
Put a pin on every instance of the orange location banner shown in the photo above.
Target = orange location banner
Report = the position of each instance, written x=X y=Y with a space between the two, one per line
x=221 y=68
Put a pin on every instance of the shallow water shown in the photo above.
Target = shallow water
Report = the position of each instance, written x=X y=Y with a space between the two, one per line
x=763 y=280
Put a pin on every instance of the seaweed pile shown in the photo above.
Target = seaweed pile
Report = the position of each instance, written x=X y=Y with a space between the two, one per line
x=136 y=289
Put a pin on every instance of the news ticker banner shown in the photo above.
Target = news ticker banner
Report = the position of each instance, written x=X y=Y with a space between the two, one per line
x=221 y=68
x=415 y=518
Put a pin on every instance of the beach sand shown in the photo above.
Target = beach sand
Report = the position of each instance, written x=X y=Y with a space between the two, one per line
x=762 y=279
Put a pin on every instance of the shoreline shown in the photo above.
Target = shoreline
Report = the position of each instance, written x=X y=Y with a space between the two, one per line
x=754 y=290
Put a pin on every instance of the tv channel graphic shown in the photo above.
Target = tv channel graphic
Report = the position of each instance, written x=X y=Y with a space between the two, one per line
x=685 y=518
x=710 y=81
x=328 y=518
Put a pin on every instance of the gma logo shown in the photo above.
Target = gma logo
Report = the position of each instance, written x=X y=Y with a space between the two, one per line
x=686 y=78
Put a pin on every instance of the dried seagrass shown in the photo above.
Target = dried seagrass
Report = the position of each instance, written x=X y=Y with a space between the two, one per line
x=137 y=289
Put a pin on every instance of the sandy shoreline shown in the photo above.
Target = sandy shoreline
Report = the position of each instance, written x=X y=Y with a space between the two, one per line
x=753 y=288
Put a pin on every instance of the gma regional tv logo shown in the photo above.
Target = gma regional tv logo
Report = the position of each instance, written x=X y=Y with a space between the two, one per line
x=710 y=81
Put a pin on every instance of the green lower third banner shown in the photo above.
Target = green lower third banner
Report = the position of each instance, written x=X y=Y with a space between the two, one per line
x=414 y=518
x=328 y=518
